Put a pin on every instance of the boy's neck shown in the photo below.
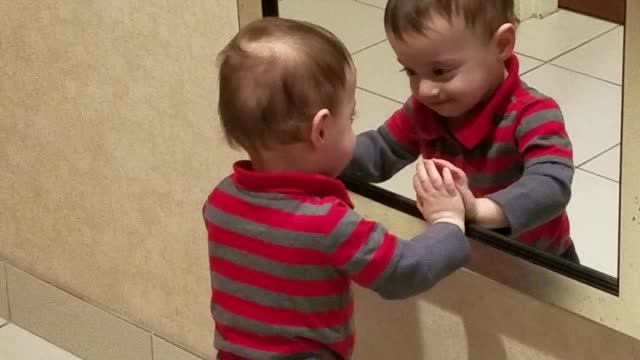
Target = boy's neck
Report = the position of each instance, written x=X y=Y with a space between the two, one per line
x=283 y=158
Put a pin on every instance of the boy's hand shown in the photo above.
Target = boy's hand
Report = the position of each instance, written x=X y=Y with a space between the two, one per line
x=462 y=183
x=438 y=198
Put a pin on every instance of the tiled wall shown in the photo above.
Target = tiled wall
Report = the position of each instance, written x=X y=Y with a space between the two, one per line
x=75 y=325
x=109 y=145
x=4 y=298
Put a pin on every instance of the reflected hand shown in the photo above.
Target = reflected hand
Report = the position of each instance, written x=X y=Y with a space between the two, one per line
x=462 y=183
x=438 y=198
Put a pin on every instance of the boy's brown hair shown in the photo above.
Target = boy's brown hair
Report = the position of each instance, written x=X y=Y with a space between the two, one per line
x=275 y=75
x=402 y=16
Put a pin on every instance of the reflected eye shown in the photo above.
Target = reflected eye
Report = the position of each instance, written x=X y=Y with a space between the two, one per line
x=440 y=71
x=408 y=71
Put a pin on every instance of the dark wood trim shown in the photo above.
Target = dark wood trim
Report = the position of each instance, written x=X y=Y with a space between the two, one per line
x=610 y=10
x=270 y=8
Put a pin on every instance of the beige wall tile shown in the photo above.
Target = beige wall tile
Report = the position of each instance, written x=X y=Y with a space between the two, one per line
x=4 y=297
x=71 y=323
x=466 y=317
x=162 y=350
x=19 y=344
x=110 y=135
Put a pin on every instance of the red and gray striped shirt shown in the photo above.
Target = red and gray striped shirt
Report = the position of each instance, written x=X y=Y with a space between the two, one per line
x=514 y=149
x=283 y=249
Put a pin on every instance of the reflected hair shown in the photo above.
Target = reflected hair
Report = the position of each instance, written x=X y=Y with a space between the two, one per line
x=274 y=76
x=413 y=16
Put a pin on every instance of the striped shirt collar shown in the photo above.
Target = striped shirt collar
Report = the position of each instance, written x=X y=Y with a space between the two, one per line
x=471 y=131
x=291 y=183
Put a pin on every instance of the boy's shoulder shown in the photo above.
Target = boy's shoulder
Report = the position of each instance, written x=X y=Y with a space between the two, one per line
x=300 y=219
x=525 y=97
x=228 y=192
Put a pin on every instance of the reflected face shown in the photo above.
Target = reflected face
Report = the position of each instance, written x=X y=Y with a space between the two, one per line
x=450 y=68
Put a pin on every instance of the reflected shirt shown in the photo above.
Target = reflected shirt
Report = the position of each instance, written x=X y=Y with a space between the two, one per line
x=514 y=149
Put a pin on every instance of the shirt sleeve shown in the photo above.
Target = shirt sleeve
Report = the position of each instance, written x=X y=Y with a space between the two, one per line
x=381 y=153
x=544 y=190
x=396 y=268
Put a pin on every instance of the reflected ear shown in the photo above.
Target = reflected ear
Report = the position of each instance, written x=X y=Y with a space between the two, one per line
x=319 y=127
x=505 y=41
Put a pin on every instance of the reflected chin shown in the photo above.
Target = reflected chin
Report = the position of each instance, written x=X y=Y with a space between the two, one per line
x=446 y=110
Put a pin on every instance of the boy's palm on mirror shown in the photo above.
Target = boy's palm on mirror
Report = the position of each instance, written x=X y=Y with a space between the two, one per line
x=438 y=197
x=462 y=183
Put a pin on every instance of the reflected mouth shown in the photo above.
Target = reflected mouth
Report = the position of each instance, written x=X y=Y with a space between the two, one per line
x=437 y=103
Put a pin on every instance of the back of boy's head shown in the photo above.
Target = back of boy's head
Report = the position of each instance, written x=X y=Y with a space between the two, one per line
x=275 y=75
x=413 y=16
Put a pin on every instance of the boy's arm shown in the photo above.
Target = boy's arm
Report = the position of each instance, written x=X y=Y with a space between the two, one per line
x=396 y=268
x=381 y=153
x=544 y=190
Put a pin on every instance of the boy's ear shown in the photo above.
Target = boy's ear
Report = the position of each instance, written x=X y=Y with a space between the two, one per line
x=319 y=127
x=505 y=41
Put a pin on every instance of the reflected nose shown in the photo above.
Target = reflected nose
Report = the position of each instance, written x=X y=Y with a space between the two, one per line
x=428 y=89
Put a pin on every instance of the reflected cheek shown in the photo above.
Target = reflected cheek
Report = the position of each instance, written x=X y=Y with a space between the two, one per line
x=471 y=87
x=343 y=153
x=462 y=89
x=350 y=147
x=415 y=86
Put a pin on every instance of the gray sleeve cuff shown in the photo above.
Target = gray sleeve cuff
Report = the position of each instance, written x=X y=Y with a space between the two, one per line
x=377 y=157
x=539 y=196
x=423 y=261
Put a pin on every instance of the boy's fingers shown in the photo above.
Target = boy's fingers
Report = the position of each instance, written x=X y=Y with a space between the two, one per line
x=458 y=174
x=423 y=177
x=434 y=175
x=443 y=163
x=421 y=171
x=449 y=184
x=418 y=187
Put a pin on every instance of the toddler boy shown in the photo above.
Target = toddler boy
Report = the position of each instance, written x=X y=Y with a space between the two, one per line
x=284 y=240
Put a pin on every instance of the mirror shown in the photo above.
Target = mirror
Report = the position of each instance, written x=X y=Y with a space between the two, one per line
x=573 y=54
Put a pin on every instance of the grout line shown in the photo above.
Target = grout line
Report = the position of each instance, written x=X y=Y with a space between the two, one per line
x=529 y=56
x=95 y=306
x=580 y=45
x=382 y=96
x=6 y=285
x=368 y=47
x=599 y=175
x=153 y=356
x=596 y=156
x=80 y=297
x=533 y=68
x=176 y=345
x=367 y=4
x=586 y=74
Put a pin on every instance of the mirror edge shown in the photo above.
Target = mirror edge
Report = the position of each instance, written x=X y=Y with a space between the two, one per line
x=619 y=312
x=629 y=250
